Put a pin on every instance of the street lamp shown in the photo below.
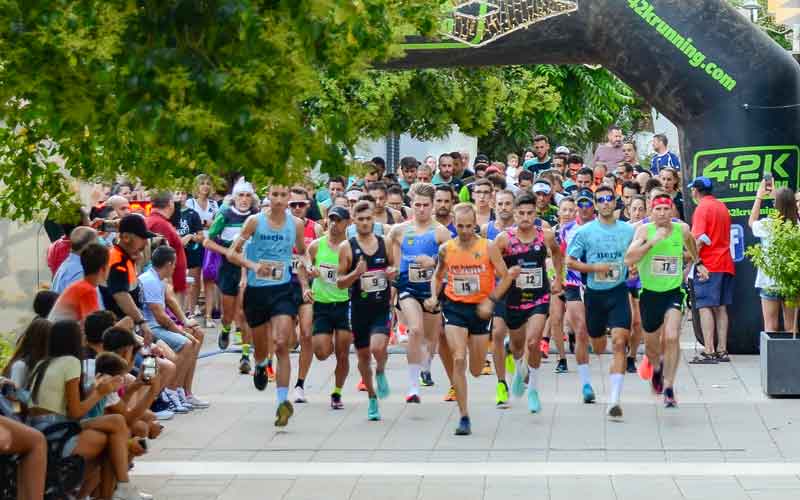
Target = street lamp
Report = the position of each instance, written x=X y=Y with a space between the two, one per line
x=753 y=8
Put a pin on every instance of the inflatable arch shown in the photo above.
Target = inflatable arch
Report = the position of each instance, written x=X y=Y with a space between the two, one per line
x=732 y=92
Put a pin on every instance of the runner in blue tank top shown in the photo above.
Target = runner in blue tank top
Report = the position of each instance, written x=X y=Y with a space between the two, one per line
x=415 y=245
x=269 y=303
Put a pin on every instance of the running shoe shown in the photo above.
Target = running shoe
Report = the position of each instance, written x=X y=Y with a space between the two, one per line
x=561 y=367
x=174 y=402
x=645 y=369
x=336 y=401
x=518 y=384
x=631 y=368
x=362 y=387
x=197 y=402
x=571 y=338
x=487 y=368
x=282 y=415
x=271 y=373
x=260 y=378
x=451 y=394
x=657 y=382
x=184 y=399
x=382 y=385
x=615 y=412
x=464 y=427
x=224 y=338
x=412 y=398
x=588 y=394
x=299 y=395
x=244 y=365
x=544 y=347
x=425 y=379
x=534 y=405
x=237 y=337
x=510 y=368
x=669 y=398
x=373 y=413
x=501 y=397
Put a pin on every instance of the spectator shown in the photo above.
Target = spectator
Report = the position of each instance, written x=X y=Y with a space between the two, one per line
x=512 y=170
x=184 y=341
x=190 y=229
x=664 y=157
x=541 y=160
x=83 y=296
x=408 y=170
x=610 y=153
x=771 y=302
x=19 y=439
x=159 y=222
x=71 y=270
x=713 y=280
x=43 y=302
x=31 y=348
x=121 y=293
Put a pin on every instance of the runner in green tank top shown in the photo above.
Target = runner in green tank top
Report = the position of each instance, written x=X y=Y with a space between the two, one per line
x=658 y=250
x=331 y=304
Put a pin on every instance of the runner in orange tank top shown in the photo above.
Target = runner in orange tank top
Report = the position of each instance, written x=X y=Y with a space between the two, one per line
x=471 y=264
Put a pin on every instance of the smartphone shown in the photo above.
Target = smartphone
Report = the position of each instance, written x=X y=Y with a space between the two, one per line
x=149 y=368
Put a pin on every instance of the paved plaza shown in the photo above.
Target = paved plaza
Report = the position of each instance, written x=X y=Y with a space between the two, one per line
x=726 y=441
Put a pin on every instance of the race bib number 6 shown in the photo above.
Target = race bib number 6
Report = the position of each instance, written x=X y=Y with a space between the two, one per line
x=328 y=273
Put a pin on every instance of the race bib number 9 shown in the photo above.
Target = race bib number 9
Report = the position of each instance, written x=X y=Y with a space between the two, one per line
x=530 y=278
x=464 y=286
x=610 y=276
x=328 y=273
x=270 y=270
x=664 y=266
x=418 y=274
x=373 y=281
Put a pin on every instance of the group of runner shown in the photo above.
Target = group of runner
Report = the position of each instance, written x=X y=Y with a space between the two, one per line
x=453 y=282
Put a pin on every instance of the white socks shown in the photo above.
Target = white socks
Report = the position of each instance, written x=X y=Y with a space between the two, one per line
x=413 y=379
x=616 y=387
x=584 y=374
x=533 y=378
x=522 y=367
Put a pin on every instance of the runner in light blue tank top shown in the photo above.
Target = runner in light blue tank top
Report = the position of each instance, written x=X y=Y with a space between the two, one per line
x=413 y=278
x=273 y=246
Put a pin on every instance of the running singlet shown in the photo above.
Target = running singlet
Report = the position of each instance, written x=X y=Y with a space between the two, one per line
x=532 y=287
x=372 y=288
x=324 y=286
x=418 y=279
x=661 y=269
x=272 y=247
x=492 y=231
x=565 y=235
x=470 y=272
x=596 y=243
x=309 y=235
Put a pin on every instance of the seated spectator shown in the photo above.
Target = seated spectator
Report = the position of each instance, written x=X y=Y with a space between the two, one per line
x=83 y=296
x=31 y=348
x=184 y=341
x=19 y=439
x=71 y=270
x=43 y=302
x=57 y=396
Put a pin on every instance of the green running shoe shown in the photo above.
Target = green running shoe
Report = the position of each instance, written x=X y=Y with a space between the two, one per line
x=373 y=413
x=502 y=395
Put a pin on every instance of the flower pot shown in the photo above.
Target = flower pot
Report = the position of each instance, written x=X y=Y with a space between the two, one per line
x=780 y=364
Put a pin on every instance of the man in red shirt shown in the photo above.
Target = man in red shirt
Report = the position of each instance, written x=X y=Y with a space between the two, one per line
x=159 y=222
x=714 y=272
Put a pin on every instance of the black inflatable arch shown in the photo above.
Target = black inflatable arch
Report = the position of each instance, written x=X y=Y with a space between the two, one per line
x=731 y=91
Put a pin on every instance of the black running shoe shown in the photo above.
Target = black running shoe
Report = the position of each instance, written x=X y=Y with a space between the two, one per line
x=425 y=379
x=244 y=365
x=464 y=428
x=669 y=398
x=224 y=339
x=657 y=381
x=336 y=401
x=631 y=365
x=561 y=367
x=571 y=338
x=260 y=378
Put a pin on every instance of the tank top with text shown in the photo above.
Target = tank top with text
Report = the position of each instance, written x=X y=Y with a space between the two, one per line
x=470 y=272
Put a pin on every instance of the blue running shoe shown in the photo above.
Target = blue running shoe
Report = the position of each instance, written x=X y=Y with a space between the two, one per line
x=373 y=413
x=533 y=401
x=518 y=384
x=383 y=385
x=588 y=394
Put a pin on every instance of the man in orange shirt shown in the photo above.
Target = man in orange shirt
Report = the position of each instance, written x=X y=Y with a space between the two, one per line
x=470 y=263
x=81 y=297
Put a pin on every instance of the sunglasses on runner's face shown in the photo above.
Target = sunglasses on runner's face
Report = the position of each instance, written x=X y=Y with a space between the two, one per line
x=605 y=199
x=585 y=204
x=298 y=204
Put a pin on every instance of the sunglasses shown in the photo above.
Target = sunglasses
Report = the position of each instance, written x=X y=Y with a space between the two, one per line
x=298 y=204
x=585 y=204
x=605 y=199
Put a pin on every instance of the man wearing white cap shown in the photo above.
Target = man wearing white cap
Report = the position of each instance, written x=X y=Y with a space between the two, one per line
x=544 y=196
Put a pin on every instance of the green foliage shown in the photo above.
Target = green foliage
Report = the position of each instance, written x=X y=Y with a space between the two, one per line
x=6 y=348
x=781 y=259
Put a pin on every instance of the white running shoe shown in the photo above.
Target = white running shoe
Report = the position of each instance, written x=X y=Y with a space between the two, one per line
x=174 y=400
x=125 y=491
x=299 y=395
x=164 y=415
x=184 y=400
x=197 y=402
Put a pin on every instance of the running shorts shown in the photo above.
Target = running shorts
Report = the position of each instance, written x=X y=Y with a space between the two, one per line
x=607 y=308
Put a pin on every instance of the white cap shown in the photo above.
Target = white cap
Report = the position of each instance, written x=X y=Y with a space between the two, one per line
x=242 y=186
x=562 y=150
x=541 y=187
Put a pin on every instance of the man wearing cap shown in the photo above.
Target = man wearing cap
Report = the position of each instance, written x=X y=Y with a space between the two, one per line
x=408 y=171
x=714 y=272
x=543 y=191
x=331 y=331
x=121 y=294
x=481 y=167
x=541 y=160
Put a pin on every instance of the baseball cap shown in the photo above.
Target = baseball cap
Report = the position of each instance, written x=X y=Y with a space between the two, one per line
x=585 y=194
x=701 y=183
x=542 y=187
x=562 y=150
x=135 y=224
x=481 y=159
x=353 y=194
x=492 y=170
x=338 y=212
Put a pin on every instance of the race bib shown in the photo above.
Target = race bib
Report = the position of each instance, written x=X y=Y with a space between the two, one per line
x=297 y=261
x=530 y=278
x=662 y=265
x=270 y=270
x=373 y=281
x=328 y=273
x=418 y=274
x=466 y=285
x=611 y=276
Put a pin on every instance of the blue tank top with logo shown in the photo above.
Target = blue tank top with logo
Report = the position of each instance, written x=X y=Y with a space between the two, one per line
x=273 y=248
x=413 y=245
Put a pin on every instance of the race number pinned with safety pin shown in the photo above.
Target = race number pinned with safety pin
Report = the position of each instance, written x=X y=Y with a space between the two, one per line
x=419 y=274
x=530 y=278
x=328 y=273
x=373 y=281
x=465 y=285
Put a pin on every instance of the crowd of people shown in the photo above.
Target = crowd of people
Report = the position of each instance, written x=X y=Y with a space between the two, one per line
x=470 y=257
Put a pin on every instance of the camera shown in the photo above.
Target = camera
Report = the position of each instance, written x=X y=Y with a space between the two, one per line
x=149 y=368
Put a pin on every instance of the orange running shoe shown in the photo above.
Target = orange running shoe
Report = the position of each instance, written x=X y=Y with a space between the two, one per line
x=361 y=386
x=645 y=369
x=544 y=346
x=271 y=373
x=451 y=394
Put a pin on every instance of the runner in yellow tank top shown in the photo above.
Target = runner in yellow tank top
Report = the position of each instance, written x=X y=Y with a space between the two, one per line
x=471 y=264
